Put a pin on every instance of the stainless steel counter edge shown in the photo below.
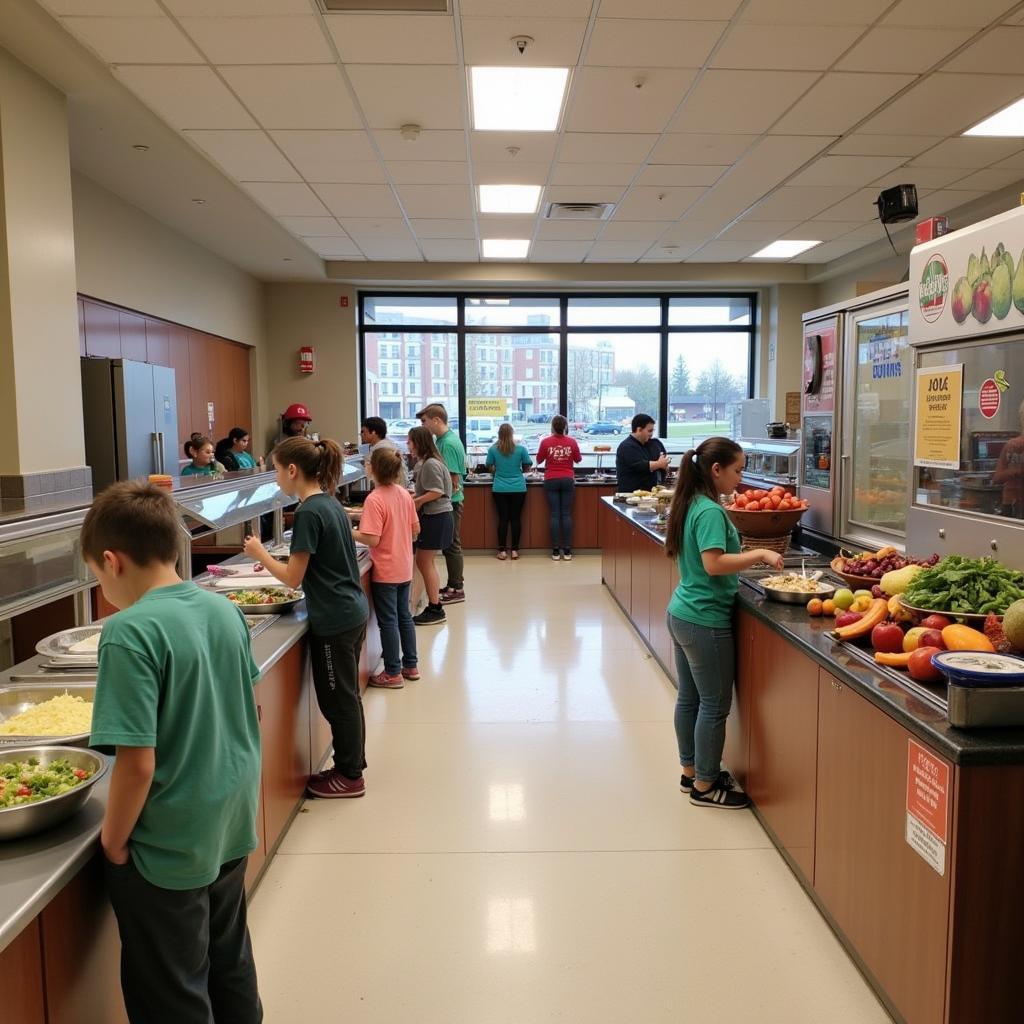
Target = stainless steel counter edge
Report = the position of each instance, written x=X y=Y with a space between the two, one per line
x=961 y=746
x=486 y=482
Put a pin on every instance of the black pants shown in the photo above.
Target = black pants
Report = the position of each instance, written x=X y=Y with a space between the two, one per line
x=510 y=510
x=186 y=957
x=335 y=661
x=560 y=493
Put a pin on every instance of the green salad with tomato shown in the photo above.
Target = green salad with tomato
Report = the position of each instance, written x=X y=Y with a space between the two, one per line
x=24 y=782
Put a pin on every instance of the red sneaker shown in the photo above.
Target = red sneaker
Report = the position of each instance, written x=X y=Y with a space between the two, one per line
x=412 y=674
x=386 y=682
x=332 y=785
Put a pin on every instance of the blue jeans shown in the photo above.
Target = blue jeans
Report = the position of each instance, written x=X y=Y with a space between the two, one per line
x=397 y=630
x=560 y=494
x=705 y=668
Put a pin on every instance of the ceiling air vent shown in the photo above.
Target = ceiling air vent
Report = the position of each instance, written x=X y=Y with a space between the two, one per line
x=578 y=211
x=385 y=6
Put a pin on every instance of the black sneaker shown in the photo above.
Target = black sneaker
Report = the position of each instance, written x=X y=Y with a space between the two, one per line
x=725 y=780
x=717 y=796
x=432 y=615
x=556 y=555
x=566 y=555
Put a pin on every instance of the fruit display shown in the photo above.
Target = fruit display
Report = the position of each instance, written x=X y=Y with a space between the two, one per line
x=989 y=287
x=969 y=586
x=963 y=638
x=1013 y=624
x=775 y=500
x=874 y=565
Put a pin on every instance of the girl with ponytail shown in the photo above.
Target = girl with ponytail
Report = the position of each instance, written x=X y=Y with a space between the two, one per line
x=705 y=543
x=323 y=562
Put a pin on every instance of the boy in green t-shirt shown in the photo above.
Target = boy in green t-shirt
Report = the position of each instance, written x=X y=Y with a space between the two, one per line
x=175 y=698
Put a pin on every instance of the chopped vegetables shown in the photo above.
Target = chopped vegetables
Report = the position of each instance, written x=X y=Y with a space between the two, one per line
x=24 y=782
x=272 y=595
x=967 y=585
x=59 y=716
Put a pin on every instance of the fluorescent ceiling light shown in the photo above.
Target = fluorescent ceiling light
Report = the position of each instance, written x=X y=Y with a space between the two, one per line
x=1009 y=122
x=506 y=248
x=783 y=250
x=509 y=198
x=517 y=99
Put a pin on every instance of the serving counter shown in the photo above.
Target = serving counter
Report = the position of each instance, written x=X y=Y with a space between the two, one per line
x=830 y=753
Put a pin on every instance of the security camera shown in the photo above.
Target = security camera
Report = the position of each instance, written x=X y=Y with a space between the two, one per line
x=522 y=43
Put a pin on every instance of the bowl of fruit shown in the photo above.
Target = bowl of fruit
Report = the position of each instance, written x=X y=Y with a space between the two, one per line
x=760 y=513
x=863 y=571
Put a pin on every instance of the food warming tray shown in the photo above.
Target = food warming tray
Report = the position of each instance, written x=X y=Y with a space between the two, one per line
x=16 y=699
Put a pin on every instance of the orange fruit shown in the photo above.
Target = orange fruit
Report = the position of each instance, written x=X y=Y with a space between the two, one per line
x=776 y=501
x=815 y=606
x=828 y=607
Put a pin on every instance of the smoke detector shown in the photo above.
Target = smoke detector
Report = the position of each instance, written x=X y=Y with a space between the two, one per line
x=521 y=44
x=409 y=132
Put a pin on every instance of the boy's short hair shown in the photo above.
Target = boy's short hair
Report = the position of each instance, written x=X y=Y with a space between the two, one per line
x=135 y=519
x=376 y=425
x=641 y=420
x=433 y=411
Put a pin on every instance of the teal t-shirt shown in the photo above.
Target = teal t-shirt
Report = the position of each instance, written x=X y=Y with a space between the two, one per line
x=176 y=674
x=335 y=601
x=508 y=469
x=245 y=460
x=454 y=456
x=702 y=599
x=193 y=470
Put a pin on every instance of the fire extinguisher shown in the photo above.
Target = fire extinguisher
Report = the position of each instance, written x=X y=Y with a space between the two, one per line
x=306 y=359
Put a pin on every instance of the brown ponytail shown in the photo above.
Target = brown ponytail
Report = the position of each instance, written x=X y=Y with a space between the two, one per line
x=386 y=466
x=695 y=479
x=315 y=460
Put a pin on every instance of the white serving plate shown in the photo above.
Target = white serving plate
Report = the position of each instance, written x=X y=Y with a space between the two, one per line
x=57 y=646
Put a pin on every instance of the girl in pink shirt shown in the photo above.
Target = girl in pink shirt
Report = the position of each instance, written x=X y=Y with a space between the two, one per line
x=558 y=454
x=388 y=526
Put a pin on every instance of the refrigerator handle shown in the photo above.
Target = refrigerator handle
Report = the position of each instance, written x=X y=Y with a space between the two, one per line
x=160 y=452
x=154 y=440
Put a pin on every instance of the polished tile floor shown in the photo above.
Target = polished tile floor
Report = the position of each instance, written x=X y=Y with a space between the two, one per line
x=524 y=854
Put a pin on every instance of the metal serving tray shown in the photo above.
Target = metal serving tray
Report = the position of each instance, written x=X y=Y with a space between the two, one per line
x=16 y=699
x=974 y=707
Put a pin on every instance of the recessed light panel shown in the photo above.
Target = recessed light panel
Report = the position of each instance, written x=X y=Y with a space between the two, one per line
x=509 y=198
x=505 y=248
x=784 y=250
x=1008 y=123
x=517 y=99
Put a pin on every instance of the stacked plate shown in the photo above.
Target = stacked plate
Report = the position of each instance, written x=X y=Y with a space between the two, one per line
x=72 y=648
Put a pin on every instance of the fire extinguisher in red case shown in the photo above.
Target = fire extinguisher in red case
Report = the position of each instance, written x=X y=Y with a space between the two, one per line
x=307 y=363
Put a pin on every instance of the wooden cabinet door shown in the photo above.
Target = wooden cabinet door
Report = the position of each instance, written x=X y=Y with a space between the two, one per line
x=158 y=343
x=474 y=517
x=224 y=399
x=242 y=381
x=737 y=729
x=641 y=547
x=662 y=584
x=102 y=330
x=783 y=729
x=178 y=358
x=892 y=906
x=539 y=516
x=203 y=377
x=133 y=336
x=21 y=978
x=584 y=518
x=258 y=857
x=609 y=535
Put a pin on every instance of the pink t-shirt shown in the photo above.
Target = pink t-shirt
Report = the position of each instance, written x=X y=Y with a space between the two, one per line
x=390 y=513
x=558 y=453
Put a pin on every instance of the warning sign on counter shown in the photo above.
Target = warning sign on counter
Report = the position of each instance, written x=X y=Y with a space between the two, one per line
x=927 y=805
x=938 y=416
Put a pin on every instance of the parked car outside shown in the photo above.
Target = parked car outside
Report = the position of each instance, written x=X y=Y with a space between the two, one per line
x=604 y=427
x=401 y=426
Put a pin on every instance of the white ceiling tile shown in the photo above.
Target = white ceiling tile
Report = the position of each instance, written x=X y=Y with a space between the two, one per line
x=376 y=229
x=392 y=252
x=779 y=48
x=976 y=14
x=235 y=8
x=621 y=43
x=723 y=100
x=606 y=99
x=393 y=38
x=661 y=204
x=331 y=156
x=758 y=231
x=487 y=42
x=825 y=230
x=430 y=145
x=925 y=178
x=559 y=252
x=884 y=145
x=1017 y=160
x=309 y=226
x=506 y=227
x=443 y=229
x=684 y=10
x=510 y=172
x=972 y=153
x=839 y=101
x=616 y=252
x=134 y=40
x=1016 y=19
x=245 y=155
x=605 y=147
x=186 y=97
x=441 y=202
x=346 y=201
x=450 y=249
x=295 y=97
x=813 y=12
x=526 y=8
x=799 y=203
x=998 y=51
x=937 y=204
x=723 y=252
x=583 y=193
x=990 y=180
x=632 y=231
x=100 y=8
x=617 y=175
x=700 y=148
x=333 y=247
x=909 y=49
x=429 y=172
x=674 y=253
x=858 y=206
x=854 y=171
x=954 y=102
x=681 y=174
x=285 y=199
x=840 y=247
x=530 y=147
x=395 y=94
x=290 y=40
x=569 y=230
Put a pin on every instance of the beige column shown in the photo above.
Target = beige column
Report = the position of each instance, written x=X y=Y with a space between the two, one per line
x=42 y=452
x=785 y=340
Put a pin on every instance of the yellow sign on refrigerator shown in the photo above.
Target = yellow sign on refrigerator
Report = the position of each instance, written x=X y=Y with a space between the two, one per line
x=939 y=412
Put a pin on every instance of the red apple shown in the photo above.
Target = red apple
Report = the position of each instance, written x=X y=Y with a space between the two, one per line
x=848 y=618
x=939 y=622
x=920 y=666
x=887 y=638
x=932 y=638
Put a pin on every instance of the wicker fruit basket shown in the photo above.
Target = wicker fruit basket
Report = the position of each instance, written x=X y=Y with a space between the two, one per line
x=853 y=582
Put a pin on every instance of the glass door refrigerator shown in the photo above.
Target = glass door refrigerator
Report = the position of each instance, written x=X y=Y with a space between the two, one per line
x=818 y=403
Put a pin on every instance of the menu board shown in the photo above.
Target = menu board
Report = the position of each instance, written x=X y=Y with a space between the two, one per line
x=938 y=416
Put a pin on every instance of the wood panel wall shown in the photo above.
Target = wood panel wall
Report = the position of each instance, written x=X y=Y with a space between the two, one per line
x=207 y=368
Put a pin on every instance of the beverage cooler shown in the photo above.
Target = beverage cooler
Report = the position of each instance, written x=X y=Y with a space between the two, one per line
x=967 y=336
x=855 y=419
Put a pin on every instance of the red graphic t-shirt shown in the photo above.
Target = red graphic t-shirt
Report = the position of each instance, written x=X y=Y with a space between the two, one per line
x=557 y=454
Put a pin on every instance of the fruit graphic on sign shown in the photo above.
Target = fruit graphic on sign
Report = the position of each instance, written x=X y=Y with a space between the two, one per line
x=963 y=299
x=973 y=270
x=984 y=265
x=1002 y=291
x=1018 y=285
x=981 y=304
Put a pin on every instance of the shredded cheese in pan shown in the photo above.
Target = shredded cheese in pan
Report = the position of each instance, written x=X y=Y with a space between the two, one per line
x=59 y=716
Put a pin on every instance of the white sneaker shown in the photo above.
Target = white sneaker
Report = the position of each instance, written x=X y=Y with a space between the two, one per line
x=555 y=555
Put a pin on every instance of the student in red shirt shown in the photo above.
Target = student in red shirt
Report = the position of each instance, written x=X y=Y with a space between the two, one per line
x=558 y=454
x=388 y=526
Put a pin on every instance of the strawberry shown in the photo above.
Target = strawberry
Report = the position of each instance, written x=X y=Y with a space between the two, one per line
x=993 y=629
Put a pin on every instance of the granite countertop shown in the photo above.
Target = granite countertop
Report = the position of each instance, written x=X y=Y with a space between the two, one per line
x=810 y=636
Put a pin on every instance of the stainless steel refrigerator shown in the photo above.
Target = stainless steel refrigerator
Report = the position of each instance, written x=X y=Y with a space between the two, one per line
x=131 y=420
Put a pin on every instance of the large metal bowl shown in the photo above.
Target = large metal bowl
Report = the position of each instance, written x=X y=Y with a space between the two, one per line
x=27 y=819
x=16 y=699
x=279 y=608
x=799 y=597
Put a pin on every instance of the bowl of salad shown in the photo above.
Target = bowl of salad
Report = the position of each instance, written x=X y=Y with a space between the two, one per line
x=42 y=786
x=266 y=600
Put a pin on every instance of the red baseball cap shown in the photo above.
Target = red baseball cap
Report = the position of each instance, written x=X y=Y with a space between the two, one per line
x=297 y=412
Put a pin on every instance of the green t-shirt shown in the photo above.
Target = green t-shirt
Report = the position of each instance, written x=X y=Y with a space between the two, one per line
x=193 y=470
x=454 y=456
x=508 y=469
x=176 y=674
x=335 y=601
x=702 y=599
x=245 y=460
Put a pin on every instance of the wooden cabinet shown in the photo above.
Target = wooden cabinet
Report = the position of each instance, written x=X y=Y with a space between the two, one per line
x=133 y=336
x=102 y=330
x=584 y=517
x=623 y=563
x=608 y=534
x=258 y=857
x=178 y=358
x=890 y=904
x=737 y=729
x=641 y=553
x=158 y=343
x=474 y=517
x=21 y=978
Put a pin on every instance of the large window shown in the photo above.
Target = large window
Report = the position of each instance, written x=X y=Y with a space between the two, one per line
x=686 y=360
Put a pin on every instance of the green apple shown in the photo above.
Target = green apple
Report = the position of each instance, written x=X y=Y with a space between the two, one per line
x=843 y=598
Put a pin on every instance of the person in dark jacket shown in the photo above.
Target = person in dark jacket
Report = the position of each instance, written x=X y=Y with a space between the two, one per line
x=641 y=460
